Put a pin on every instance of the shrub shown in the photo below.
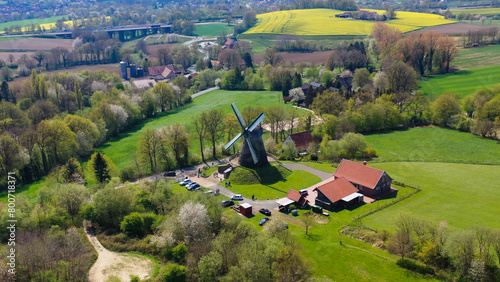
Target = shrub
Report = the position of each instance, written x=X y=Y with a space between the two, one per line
x=149 y=220
x=128 y=174
x=414 y=266
x=179 y=253
x=174 y=273
x=133 y=225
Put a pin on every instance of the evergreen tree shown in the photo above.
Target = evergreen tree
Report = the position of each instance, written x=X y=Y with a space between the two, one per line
x=248 y=60
x=4 y=91
x=297 y=80
x=101 y=169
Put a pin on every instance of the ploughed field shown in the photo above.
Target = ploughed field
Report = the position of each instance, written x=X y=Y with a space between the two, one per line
x=324 y=22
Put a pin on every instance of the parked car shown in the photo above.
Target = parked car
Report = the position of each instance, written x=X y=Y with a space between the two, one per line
x=192 y=186
x=264 y=220
x=185 y=182
x=197 y=188
x=170 y=173
x=237 y=197
x=227 y=203
x=265 y=212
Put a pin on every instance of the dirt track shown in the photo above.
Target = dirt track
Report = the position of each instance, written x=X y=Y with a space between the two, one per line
x=115 y=264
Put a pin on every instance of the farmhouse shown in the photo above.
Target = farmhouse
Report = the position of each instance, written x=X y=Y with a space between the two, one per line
x=369 y=181
x=230 y=43
x=337 y=193
x=165 y=72
x=302 y=140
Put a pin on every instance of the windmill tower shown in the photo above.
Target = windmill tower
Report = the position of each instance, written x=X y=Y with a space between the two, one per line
x=253 y=152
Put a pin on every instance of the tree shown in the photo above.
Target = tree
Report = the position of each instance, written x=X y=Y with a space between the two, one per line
x=460 y=248
x=164 y=56
x=165 y=95
x=272 y=57
x=329 y=102
x=112 y=205
x=79 y=124
x=177 y=139
x=401 y=79
x=361 y=77
x=133 y=225
x=444 y=108
x=200 y=127
x=290 y=152
x=230 y=58
x=308 y=219
x=215 y=128
x=4 y=91
x=386 y=37
x=210 y=266
x=401 y=243
x=71 y=197
x=148 y=148
x=100 y=167
x=11 y=158
x=72 y=172
x=194 y=219
x=352 y=143
x=57 y=141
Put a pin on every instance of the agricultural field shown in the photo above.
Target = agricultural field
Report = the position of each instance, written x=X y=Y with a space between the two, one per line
x=33 y=44
x=433 y=144
x=212 y=29
x=477 y=57
x=484 y=12
x=324 y=22
x=46 y=22
x=5 y=55
x=464 y=82
x=465 y=195
x=120 y=148
x=458 y=28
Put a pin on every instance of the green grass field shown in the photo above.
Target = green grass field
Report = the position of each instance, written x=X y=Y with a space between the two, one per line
x=213 y=30
x=465 y=195
x=484 y=12
x=121 y=148
x=477 y=57
x=464 y=82
x=434 y=144
x=30 y=22
x=9 y=38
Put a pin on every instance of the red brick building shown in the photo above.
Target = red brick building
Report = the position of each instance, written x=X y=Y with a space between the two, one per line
x=369 y=181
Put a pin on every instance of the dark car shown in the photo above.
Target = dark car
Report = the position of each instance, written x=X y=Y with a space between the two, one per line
x=194 y=186
x=227 y=203
x=264 y=220
x=170 y=173
x=265 y=212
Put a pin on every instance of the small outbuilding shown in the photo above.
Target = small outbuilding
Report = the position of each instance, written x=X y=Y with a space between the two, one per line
x=246 y=209
x=302 y=140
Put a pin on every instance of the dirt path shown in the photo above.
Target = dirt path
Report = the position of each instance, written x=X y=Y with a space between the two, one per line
x=115 y=264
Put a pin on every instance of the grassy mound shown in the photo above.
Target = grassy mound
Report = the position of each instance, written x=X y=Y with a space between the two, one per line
x=264 y=175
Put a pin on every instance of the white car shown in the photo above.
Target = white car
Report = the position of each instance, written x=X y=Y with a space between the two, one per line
x=185 y=182
x=237 y=197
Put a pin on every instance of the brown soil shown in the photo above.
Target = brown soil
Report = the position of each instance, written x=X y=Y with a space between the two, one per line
x=5 y=55
x=314 y=57
x=152 y=50
x=456 y=28
x=34 y=44
x=115 y=264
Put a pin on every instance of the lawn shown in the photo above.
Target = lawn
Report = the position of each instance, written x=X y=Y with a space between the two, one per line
x=213 y=30
x=8 y=38
x=464 y=82
x=465 y=195
x=121 y=148
x=434 y=144
x=297 y=180
x=477 y=57
x=324 y=22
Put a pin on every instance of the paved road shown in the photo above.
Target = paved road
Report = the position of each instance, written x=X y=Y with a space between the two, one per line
x=321 y=174
x=204 y=92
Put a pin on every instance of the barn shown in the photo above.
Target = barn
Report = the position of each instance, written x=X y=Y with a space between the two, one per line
x=338 y=193
x=369 y=181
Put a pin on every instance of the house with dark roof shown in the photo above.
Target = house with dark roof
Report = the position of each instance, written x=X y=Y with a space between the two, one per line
x=369 y=181
x=302 y=140
x=338 y=193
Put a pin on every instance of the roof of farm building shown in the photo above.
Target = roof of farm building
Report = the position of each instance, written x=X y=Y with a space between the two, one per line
x=337 y=189
x=302 y=139
x=296 y=196
x=358 y=173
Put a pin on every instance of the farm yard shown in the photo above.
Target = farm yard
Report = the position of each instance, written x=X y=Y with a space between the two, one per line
x=324 y=22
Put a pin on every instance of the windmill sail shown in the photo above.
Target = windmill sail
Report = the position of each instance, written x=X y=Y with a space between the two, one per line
x=239 y=116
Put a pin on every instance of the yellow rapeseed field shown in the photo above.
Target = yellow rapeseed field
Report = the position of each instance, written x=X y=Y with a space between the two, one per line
x=324 y=22
x=484 y=12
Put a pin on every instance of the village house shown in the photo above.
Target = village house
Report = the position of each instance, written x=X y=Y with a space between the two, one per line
x=302 y=140
x=230 y=43
x=369 y=181
x=337 y=193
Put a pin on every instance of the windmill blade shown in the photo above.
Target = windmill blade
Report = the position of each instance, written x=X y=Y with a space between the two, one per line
x=256 y=122
x=239 y=116
x=252 y=151
x=231 y=143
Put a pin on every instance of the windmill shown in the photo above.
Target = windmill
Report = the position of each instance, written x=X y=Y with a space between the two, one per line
x=253 y=152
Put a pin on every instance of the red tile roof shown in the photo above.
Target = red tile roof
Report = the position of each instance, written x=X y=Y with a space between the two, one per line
x=296 y=196
x=302 y=139
x=337 y=189
x=154 y=71
x=358 y=173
